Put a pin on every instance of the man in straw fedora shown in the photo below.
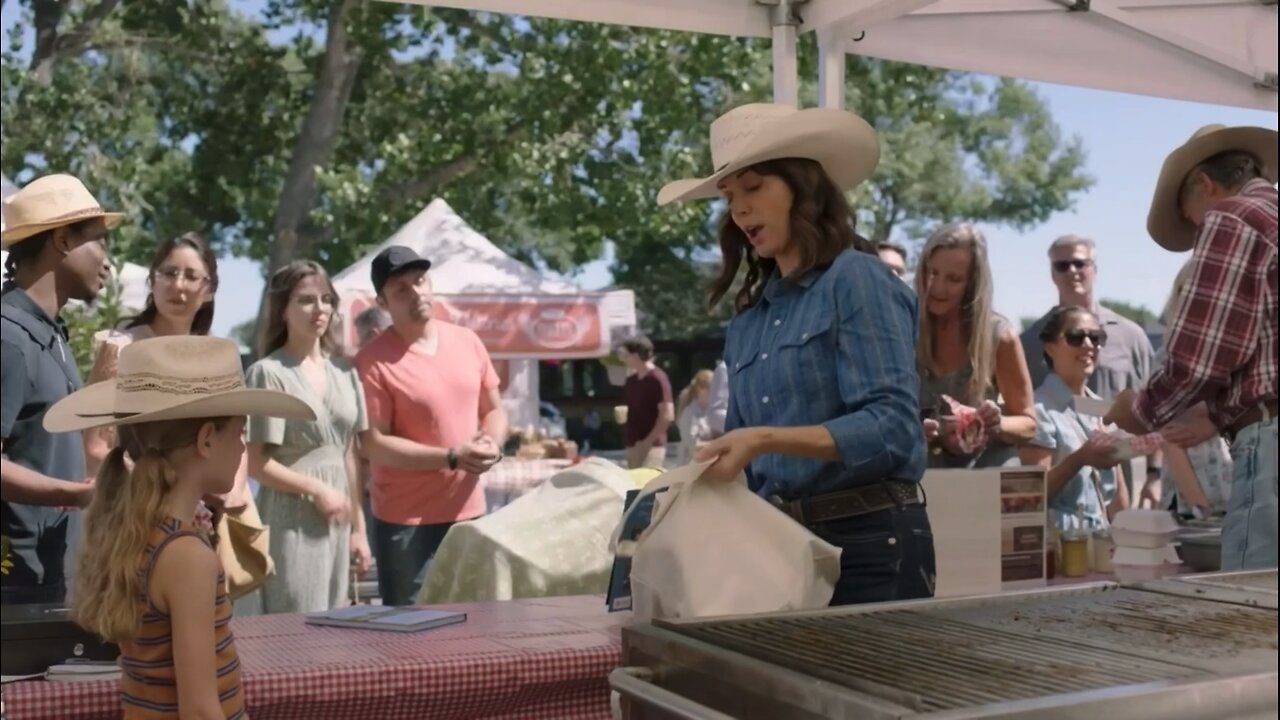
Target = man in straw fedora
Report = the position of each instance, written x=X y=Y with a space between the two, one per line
x=55 y=233
x=1216 y=197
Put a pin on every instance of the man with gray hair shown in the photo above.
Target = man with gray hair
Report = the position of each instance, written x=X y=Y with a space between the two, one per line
x=369 y=323
x=1124 y=362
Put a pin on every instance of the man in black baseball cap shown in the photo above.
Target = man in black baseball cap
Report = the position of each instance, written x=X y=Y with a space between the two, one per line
x=436 y=423
x=393 y=261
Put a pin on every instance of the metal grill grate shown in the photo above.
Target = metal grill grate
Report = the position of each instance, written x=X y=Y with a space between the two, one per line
x=1262 y=580
x=1180 y=630
x=955 y=656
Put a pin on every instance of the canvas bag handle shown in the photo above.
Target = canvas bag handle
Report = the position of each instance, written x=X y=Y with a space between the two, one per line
x=670 y=481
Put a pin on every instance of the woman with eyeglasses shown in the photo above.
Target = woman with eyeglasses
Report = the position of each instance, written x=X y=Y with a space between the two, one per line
x=183 y=279
x=1085 y=486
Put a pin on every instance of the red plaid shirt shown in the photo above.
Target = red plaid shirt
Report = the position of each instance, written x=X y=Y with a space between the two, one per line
x=1222 y=347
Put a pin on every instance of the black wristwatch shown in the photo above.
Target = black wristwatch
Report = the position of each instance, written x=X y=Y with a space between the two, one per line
x=452 y=458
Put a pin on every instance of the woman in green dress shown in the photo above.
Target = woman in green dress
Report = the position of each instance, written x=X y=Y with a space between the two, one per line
x=310 y=492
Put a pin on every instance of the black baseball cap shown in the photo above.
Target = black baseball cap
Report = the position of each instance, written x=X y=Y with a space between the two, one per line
x=392 y=261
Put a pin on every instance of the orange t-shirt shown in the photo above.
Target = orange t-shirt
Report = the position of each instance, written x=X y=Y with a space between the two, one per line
x=433 y=400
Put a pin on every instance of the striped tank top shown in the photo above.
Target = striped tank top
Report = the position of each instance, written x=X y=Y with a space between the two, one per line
x=148 y=688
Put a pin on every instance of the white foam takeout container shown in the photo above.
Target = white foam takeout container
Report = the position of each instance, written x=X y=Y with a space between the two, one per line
x=1143 y=529
x=1134 y=556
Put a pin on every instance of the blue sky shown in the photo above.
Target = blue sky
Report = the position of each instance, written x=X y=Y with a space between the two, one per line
x=1126 y=137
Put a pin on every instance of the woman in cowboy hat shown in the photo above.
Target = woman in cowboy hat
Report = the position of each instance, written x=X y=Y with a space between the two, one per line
x=1216 y=196
x=823 y=415
x=55 y=234
x=148 y=577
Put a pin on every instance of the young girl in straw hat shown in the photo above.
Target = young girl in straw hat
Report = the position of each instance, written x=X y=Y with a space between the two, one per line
x=149 y=578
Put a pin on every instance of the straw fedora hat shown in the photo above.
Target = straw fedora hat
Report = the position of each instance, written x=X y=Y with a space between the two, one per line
x=1165 y=221
x=843 y=143
x=49 y=202
x=172 y=378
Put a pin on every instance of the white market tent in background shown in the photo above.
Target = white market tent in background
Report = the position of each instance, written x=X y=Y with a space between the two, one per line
x=520 y=314
x=1221 y=52
x=131 y=279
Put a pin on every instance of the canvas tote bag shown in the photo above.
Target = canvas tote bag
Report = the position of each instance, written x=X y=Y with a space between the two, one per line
x=244 y=549
x=715 y=548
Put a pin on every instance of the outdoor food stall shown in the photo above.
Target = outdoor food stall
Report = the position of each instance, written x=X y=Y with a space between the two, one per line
x=1198 y=647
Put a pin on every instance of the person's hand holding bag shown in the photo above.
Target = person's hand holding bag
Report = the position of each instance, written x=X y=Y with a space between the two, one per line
x=731 y=453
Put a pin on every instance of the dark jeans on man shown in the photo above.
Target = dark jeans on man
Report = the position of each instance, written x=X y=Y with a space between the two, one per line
x=403 y=553
x=887 y=555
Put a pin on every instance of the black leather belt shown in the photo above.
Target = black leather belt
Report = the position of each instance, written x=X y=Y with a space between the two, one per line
x=1264 y=410
x=851 y=503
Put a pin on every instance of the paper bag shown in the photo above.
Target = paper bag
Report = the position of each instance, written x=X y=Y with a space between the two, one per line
x=715 y=548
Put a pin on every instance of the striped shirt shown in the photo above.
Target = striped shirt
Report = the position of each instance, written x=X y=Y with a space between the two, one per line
x=835 y=348
x=148 y=687
x=1222 y=346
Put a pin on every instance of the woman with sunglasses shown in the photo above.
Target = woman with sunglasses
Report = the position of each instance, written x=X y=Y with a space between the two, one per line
x=1084 y=483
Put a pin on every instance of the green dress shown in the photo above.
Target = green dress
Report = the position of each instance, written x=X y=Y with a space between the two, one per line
x=312 y=556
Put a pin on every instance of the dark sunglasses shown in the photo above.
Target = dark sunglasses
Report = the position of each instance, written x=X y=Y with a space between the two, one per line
x=1076 y=338
x=1066 y=265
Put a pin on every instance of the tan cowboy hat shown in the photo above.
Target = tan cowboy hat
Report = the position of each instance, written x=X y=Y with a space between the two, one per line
x=50 y=202
x=843 y=143
x=172 y=378
x=1165 y=222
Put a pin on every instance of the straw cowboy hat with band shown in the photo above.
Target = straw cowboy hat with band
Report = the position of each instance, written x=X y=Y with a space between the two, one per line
x=50 y=202
x=1166 y=223
x=843 y=143
x=172 y=378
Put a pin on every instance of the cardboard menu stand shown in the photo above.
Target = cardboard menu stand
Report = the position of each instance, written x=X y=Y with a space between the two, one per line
x=989 y=529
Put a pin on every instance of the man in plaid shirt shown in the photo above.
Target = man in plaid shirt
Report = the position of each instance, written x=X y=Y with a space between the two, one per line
x=1216 y=197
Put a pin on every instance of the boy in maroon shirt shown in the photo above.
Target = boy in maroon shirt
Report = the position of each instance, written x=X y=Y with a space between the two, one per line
x=650 y=410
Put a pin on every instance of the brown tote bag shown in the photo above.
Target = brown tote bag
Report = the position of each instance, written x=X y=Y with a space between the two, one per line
x=244 y=549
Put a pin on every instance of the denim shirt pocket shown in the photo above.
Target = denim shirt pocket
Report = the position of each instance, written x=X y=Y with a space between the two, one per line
x=807 y=353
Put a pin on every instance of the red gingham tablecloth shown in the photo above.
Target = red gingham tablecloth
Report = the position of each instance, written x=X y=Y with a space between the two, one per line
x=524 y=659
x=512 y=478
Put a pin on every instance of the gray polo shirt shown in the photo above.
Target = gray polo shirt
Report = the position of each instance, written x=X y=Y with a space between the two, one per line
x=37 y=369
x=1125 y=362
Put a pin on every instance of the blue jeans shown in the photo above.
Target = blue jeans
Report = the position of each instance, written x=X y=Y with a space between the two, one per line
x=403 y=553
x=886 y=555
x=1249 y=530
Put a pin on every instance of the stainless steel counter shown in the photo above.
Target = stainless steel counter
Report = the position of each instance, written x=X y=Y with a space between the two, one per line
x=1200 y=647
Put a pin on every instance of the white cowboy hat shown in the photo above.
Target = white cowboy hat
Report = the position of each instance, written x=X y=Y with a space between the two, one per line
x=50 y=202
x=172 y=378
x=843 y=143
x=1165 y=222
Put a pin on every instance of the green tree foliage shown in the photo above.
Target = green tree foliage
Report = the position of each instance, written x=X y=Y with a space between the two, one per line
x=1137 y=313
x=317 y=127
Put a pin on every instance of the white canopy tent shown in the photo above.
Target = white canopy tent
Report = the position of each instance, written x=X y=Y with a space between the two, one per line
x=1214 y=51
x=520 y=314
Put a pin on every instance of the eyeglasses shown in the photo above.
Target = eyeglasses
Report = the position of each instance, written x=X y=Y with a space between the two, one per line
x=173 y=276
x=1076 y=338
x=1068 y=265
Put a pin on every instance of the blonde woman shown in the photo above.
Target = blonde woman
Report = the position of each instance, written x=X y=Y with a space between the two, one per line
x=693 y=410
x=1207 y=465
x=969 y=353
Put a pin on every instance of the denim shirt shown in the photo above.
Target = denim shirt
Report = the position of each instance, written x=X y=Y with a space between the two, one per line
x=835 y=348
x=1063 y=430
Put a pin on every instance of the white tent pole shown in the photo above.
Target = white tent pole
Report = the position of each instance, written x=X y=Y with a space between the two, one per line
x=831 y=60
x=785 y=22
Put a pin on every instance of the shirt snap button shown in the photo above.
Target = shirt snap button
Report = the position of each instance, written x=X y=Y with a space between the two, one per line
x=777 y=323
x=805 y=336
x=765 y=399
x=764 y=356
x=893 y=541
